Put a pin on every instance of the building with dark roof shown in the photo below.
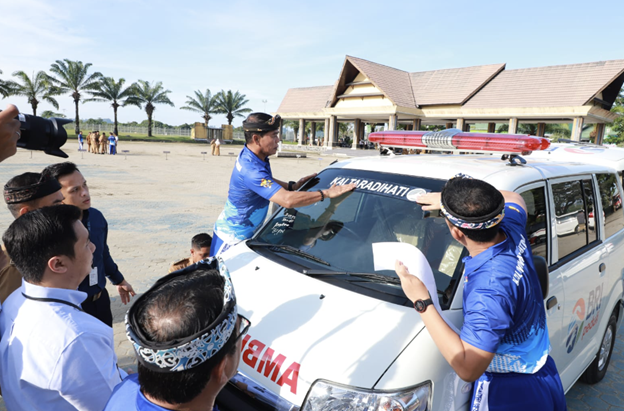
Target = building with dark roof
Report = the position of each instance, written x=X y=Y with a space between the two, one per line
x=368 y=92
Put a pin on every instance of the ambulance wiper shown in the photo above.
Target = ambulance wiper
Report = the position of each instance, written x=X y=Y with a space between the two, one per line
x=288 y=249
x=378 y=278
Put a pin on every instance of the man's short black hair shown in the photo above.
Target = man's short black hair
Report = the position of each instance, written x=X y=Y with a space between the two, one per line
x=179 y=309
x=200 y=241
x=256 y=118
x=468 y=197
x=39 y=235
x=59 y=170
x=22 y=180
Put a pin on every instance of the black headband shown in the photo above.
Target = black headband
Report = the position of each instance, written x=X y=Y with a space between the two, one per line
x=17 y=195
x=263 y=126
x=189 y=352
x=472 y=223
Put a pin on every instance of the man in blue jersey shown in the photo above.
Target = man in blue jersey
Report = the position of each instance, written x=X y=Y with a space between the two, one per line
x=503 y=344
x=252 y=186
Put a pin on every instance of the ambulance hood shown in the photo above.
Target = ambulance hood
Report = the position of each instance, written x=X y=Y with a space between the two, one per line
x=303 y=329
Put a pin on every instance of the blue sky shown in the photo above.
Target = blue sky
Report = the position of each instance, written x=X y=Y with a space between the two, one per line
x=264 y=48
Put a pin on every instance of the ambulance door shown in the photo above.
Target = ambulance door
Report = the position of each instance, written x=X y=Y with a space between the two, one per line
x=539 y=229
x=576 y=256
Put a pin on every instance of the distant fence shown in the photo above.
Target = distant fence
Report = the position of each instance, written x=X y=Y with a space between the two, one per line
x=157 y=131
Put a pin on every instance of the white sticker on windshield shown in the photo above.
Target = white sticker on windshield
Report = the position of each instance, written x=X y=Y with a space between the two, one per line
x=373 y=186
x=413 y=195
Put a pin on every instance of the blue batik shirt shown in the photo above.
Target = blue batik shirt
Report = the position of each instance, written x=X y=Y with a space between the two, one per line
x=251 y=187
x=127 y=396
x=503 y=308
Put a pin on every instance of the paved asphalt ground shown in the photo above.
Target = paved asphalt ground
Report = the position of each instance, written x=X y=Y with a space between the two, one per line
x=155 y=203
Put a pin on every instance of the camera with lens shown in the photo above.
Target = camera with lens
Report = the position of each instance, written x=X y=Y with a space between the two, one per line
x=45 y=134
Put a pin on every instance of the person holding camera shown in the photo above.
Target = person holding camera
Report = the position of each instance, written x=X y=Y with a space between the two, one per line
x=9 y=132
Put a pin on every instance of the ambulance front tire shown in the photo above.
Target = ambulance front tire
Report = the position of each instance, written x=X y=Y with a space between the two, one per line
x=598 y=368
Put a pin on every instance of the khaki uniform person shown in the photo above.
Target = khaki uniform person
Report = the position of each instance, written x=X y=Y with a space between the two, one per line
x=103 y=141
x=89 y=142
x=217 y=147
x=95 y=138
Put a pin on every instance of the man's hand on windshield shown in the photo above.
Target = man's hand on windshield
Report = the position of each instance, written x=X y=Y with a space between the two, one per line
x=430 y=201
x=302 y=181
x=336 y=191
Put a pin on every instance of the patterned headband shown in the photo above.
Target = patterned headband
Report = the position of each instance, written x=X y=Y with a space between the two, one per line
x=186 y=353
x=269 y=125
x=474 y=223
x=45 y=186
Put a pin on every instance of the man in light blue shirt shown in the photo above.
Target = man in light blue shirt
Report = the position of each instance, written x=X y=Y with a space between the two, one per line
x=53 y=356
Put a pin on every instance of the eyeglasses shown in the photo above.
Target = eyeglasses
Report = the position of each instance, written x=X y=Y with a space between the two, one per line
x=242 y=328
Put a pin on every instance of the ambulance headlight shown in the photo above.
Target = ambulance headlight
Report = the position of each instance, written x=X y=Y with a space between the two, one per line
x=329 y=396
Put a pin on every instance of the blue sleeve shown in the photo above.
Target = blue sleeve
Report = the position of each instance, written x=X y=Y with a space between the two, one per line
x=488 y=315
x=515 y=216
x=261 y=182
x=110 y=268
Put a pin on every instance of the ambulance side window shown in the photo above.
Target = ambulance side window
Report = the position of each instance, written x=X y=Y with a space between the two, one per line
x=574 y=204
x=611 y=204
x=536 y=227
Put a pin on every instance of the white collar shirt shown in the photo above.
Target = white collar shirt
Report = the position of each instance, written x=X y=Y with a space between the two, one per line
x=53 y=356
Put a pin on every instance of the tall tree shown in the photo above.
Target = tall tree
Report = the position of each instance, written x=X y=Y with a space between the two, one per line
x=5 y=89
x=110 y=90
x=206 y=104
x=36 y=89
x=73 y=77
x=232 y=104
x=148 y=95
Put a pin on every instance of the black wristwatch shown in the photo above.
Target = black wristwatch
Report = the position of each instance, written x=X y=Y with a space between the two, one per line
x=291 y=184
x=421 y=305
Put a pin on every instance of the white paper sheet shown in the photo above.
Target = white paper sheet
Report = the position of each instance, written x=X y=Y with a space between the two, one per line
x=385 y=256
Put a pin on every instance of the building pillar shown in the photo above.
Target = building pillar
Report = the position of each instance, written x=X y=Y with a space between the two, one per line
x=599 y=130
x=331 y=136
x=301 y=131
x=416 y=124
x=541 y=129
x=513 y=125
x=461 y=124
x=392 y=122
x=449 y=125
x=313 y=131
x=577 y=128
x=491 y=128
x=325 y=132
x=357 y=124
x=281 y=130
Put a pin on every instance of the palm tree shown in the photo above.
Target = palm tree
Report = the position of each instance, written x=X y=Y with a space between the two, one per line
x=110 y=90
x=36 y=89
x=73 y=77
x=5 y=87
x=202 y=103
x=145 y=93
x=231 y=104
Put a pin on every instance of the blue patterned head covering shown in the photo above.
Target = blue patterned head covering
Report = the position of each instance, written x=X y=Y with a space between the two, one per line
x=189 y=352
x=473 y=223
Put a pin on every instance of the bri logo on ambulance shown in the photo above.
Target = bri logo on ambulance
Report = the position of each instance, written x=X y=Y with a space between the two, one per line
x=584 y=317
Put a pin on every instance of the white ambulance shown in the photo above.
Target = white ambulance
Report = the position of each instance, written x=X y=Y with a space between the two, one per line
x=330 y=332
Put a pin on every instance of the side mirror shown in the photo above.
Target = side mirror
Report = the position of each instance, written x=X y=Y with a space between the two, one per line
x=542 y=274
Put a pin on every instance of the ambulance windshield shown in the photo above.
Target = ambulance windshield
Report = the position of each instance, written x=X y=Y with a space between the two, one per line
x=337 y=234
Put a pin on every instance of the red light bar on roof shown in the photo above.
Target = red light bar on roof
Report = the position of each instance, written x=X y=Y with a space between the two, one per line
x=455 y=139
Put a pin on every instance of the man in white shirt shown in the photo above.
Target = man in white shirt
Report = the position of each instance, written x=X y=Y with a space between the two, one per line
x=53 y=356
